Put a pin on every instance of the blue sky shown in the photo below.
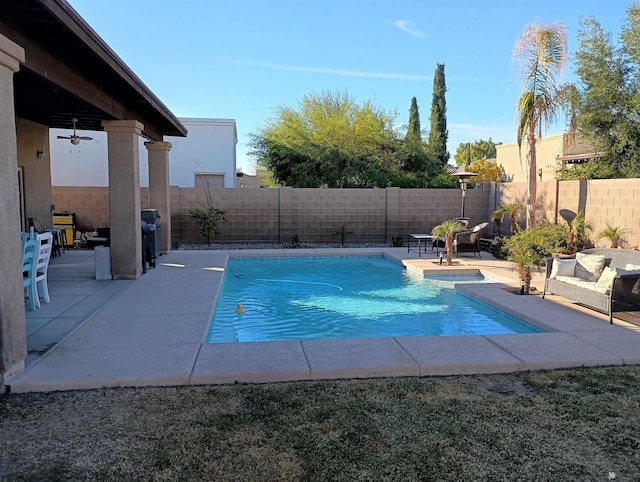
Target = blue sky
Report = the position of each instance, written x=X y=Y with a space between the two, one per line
x=241 y=59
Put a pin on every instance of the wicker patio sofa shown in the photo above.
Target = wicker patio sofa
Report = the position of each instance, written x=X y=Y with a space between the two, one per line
x=623 y=289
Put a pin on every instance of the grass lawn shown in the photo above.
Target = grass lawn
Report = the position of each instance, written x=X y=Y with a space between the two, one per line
x=578 y=424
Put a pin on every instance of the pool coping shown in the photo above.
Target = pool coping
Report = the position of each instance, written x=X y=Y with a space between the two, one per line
x=161 y=342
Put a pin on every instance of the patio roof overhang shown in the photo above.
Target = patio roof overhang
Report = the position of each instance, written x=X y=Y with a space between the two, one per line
x=69 y=71
x=578 y=158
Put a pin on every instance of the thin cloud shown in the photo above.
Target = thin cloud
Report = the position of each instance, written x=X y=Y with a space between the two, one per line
x=407 y=27
x=327 y=71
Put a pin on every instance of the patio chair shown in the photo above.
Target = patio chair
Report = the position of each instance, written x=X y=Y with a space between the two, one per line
x=28 y=271
x=469 y=241
x=44 y=246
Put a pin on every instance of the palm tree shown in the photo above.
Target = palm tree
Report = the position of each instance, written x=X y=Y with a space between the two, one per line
x=497 y=217
x=578 y=228
x=615 y=234
x=542 y=54
x=448 y=229
x=513 y=210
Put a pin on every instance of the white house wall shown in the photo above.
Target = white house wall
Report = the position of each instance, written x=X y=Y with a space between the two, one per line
x=210 y=147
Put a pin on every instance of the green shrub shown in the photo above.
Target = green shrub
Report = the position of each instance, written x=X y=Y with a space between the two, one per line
x=208 y=220
x=498 y=248
x=397 y=241
x=528 y=248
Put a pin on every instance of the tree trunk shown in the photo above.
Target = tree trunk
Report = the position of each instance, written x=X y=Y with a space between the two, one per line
x=449 y=244
x=532 y=184
x=527 y=280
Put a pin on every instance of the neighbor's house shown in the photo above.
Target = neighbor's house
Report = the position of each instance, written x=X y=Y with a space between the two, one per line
x=53 y=68
x=208 y=152
x=551 y=152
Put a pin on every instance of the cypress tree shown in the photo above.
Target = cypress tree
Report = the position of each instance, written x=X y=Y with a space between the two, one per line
x=438 y=133
x=413 y=132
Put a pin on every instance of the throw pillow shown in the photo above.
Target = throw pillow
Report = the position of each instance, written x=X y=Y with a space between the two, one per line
x=607 y=277
x=562 y=267
x=589 y=266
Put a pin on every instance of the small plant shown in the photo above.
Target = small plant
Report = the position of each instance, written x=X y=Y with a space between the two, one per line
x=343 y=233
x=210 y=217
x=448 y=230
x=615 y=234
x=295 y=241
x=498 y=248
x=528 y=248
x=208 y=220
x=397 y=242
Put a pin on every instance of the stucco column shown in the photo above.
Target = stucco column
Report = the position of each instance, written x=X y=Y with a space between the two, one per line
x=124 y=197
x=13 y=330
x=159 y=194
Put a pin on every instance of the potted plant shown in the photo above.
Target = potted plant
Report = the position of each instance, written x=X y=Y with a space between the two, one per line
x=447 y=230
x=528 y=248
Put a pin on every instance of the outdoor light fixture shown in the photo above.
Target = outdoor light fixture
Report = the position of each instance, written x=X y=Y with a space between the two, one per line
x=441 y=256
x=522 y=286
x=463 y=176
x=40 y=154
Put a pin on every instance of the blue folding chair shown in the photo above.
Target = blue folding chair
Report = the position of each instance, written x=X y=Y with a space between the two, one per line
x=29 y=271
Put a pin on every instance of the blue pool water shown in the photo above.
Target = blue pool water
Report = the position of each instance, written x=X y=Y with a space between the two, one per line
x=354 y=297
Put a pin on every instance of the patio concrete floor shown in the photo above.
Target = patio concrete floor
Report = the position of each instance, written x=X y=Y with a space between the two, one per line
x=151 y=331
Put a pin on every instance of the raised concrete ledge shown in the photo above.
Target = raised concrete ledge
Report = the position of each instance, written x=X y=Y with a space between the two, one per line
x=135 y=366
x=358 y=358
x=542 y=351
x=260 y=362
x=458 y=355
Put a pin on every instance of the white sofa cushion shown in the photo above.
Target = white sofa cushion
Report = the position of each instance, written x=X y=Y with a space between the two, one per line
x=607 y=277
x=632 y=267
x=589 y=285
x=562 y=267
x=589 y=266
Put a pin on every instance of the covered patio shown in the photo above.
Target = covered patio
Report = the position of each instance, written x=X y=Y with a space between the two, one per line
x=55 y=68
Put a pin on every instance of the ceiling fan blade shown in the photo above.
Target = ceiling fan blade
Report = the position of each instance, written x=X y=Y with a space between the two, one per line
x=85 y=138
x=64 y=137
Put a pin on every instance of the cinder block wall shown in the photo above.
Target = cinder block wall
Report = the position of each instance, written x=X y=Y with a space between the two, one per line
x=372 y=215
x=91 y=203
x=605 y=201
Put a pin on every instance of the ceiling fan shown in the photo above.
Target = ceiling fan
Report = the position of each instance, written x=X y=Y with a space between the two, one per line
x=75 y=139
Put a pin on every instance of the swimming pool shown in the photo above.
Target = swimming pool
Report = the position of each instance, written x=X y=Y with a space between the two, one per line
x=351 y=297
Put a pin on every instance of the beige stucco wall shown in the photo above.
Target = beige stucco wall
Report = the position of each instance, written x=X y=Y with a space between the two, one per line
x=513 y=161
x=32 y=137
x=373 y=215
x=274 y=215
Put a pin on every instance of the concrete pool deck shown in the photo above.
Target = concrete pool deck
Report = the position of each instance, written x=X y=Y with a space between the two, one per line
x=151 y=331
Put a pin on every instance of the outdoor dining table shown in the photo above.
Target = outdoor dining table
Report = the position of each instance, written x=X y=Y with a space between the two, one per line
x=422 y=240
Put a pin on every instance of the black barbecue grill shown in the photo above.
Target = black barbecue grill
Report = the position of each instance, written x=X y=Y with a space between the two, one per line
x=150 y=223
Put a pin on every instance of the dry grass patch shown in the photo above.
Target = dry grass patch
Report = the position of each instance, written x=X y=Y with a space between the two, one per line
x=567 y=424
